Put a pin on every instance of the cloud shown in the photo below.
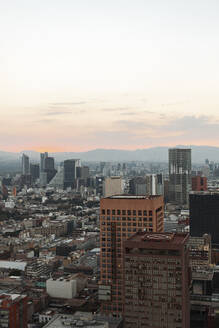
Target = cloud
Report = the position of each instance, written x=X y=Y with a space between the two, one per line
x=177 y=103
x=116 y=109
x=55 y=113
x=128 y=113
x=130 y=124
x=76 y=103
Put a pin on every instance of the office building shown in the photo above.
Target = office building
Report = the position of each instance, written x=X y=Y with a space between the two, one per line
x=112 y=186
x=49 y=163
x=13 y=311
x=204 y=214
x=179 y=175
x=120 y=217
x=156 y=280
x=34 y=171
x=25 y=165
x=199 y=183
x=70 y=172
x=50 y=168
x=151 y=184
x=83 y=172
x=43 y=157
x=137 y=186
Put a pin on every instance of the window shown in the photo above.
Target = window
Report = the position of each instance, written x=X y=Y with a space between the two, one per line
x=139 y=212
x=150 y=213
x=129 y=212
x=103 y=211
x=113 y=212
x=108 y=212
x=134 y=212
x=145 y=213
x=123 y=212
x=118 y=212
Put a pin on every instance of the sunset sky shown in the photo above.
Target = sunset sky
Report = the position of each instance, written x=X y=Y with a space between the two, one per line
x=82 y=74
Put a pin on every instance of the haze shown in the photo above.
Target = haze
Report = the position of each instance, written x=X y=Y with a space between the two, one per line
x=80 y=74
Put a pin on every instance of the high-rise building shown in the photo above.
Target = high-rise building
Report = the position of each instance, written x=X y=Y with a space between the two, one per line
x=25 y=165
x=199 y=183
x=151 y=184
x=49 y=168
x=156 y=280
x=34 y=171
x=137 y=186
x=83 y=172
x=70 y=172
x=13 y=311
x=120 y=217
x=49 y=163
x=112 y=186
x=204 y=214
x=179 y=175
x=43 y=156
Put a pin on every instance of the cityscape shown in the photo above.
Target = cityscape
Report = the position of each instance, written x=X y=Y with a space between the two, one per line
x=110 y=244
x=109 y=164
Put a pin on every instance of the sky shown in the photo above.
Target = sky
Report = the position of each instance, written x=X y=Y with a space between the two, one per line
x=77 y=75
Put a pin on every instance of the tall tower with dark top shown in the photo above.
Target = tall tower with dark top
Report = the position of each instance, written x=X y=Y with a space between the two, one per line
x=179 y=175
x=156 y=280
x=121 y=217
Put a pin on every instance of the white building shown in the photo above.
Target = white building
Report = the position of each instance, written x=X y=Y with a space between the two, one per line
x=61 y=288
x=112 y=186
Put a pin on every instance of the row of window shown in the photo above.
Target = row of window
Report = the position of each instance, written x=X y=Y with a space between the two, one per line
x=113 y=218
x=126 y=212
x=129 y=224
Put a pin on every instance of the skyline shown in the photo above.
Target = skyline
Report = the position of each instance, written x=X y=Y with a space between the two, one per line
x=118 y=75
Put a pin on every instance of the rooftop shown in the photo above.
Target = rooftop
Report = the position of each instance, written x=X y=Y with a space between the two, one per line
x=156 y=237
x=132 y=197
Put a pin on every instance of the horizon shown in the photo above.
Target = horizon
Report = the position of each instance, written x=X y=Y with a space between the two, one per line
x=112 y=149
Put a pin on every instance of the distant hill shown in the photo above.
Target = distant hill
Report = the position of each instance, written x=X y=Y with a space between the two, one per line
x=156 y=154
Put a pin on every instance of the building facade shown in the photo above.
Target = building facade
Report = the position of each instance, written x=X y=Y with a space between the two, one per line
x=121 y=217
x=70 y=172
x=112 y=186
x=13 y=311
x=204 y=214
x=179 y=175
x=156 y=280
x=25 y=165
x=199 y=183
